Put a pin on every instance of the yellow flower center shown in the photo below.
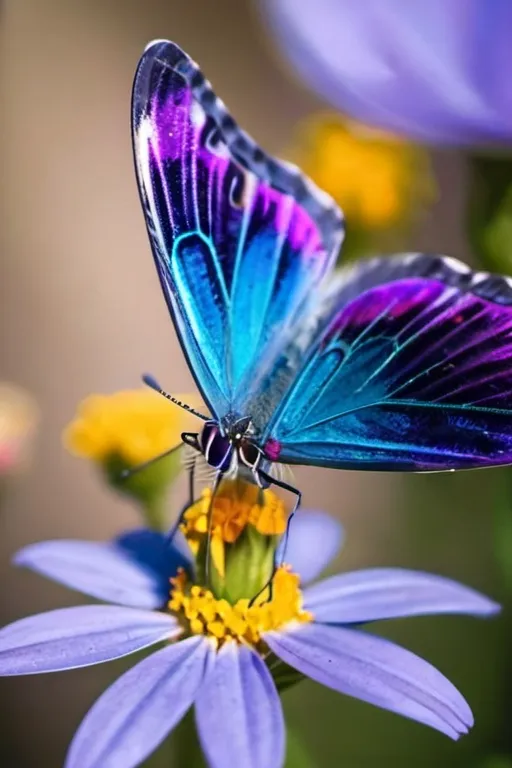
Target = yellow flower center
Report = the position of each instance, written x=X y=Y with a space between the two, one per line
x=203 y=614
x=236 y=505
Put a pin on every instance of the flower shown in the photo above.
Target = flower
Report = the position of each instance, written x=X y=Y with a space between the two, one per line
x=133 y=425
x=126 y=429
x=18 y=421
x=378 y=180
x=220 y=655
x=433 y=71
x=245 y=529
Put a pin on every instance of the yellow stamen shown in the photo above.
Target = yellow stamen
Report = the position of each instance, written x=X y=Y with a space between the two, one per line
x=235 y=506
x=242 y=622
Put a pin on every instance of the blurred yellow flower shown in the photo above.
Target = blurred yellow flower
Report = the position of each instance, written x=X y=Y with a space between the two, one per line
x=18 y=420
x=377 y=179
x=133 y=425
x=121 y=431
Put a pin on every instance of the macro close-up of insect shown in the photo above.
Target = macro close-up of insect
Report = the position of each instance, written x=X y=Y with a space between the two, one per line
x=238 y=493
x=402 y=363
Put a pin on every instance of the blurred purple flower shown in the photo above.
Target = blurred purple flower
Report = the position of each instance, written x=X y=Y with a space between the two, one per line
x=238 y=712
x=438 y=71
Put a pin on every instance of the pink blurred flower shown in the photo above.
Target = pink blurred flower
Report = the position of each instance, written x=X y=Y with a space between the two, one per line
x=18 y=420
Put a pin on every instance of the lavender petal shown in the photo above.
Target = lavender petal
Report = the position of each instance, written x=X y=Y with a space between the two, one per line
x=376 y=671
x=100 y=570
x=313 y=541
x=78 y=637
x=137 y=712
x=239 y=714
x=386 y=593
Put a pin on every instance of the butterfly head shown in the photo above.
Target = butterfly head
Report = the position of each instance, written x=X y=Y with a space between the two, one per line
x=225 y=445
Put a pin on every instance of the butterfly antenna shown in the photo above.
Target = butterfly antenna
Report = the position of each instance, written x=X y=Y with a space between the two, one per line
x=153 y=384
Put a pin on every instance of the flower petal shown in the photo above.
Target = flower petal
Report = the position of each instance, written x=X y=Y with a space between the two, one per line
x=386 y=593
x=376 y=671
x=429 y=70
x=100 y=570
x=314 y=539
x=238 y=712
x=79 y=636
x=137 y=712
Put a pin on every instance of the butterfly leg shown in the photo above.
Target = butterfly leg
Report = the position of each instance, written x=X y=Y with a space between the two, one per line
x=215 y=486
x=188 y=438
x=298 y=499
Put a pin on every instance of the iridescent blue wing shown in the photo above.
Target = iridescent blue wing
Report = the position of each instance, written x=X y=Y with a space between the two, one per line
x=240 y=240
x=414 y=373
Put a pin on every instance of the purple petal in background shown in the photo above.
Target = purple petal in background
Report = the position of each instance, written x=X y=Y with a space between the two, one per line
x=376 y=671
x=239 y=714
x=80 y=636
x=100 y=570
x=386 y=593
x=314 y=540
x=430 y=70
x=137 y=712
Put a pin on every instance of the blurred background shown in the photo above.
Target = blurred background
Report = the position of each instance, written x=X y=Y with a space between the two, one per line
x=81 y=312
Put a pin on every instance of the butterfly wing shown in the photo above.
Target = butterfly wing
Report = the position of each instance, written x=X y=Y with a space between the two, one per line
x=414 y=373
x=240 y=240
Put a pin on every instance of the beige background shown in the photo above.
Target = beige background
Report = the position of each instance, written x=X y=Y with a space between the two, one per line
x=81 y=309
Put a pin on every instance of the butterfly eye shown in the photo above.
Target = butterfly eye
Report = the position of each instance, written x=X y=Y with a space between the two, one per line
x=250 y=454
x=216 y=447
x=220 y=453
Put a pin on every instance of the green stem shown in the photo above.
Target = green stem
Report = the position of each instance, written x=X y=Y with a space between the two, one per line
x=153 y=510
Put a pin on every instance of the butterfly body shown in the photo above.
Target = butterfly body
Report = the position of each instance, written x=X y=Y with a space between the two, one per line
x=398 y=363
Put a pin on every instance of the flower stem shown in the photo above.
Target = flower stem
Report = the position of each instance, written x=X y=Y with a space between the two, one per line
x=153 y=510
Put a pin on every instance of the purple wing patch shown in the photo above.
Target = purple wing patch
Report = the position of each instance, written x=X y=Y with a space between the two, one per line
x=240 y=240
x=411 y=375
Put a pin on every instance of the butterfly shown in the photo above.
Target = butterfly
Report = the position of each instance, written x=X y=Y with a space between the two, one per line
x=398 y=363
